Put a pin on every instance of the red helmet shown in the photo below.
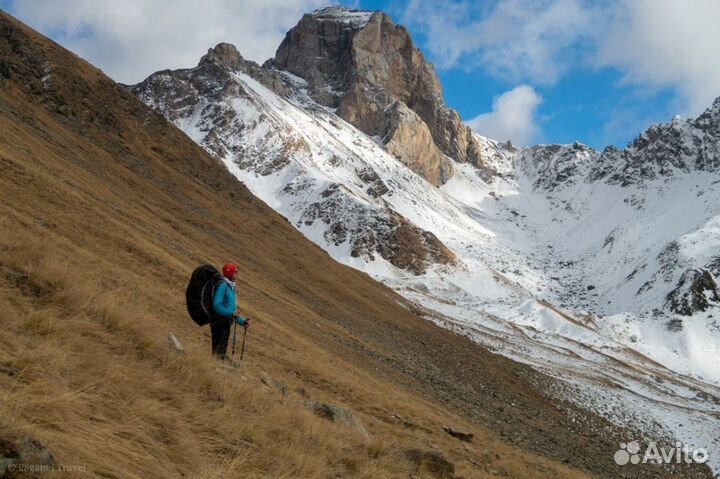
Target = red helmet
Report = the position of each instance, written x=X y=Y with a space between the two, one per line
x=230 y=270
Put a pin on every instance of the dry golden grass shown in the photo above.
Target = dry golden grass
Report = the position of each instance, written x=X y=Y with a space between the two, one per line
x=93 y=379
x=104 y=211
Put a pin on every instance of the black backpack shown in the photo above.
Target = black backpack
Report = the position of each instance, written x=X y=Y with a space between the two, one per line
x=200 y=292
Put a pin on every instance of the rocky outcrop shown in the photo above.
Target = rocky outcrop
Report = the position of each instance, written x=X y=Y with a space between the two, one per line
x=209 y=98
x=180 y=90
x=556 y=166
x=362 y=63
x=337 y=414
x=408 y=138
x=409 y=247
x=430 y=464
x=695 y=292
x=463 y=436
x=225 y=55
x=372 y=232
x=319 y=50
x=228 y=59
x=664 y=150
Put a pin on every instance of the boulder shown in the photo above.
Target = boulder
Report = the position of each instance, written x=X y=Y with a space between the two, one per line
x=463 y=436
x=430 y=462
x=336 y=414
x=23 y=450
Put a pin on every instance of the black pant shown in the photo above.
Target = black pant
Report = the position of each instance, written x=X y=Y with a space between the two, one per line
x=220 y=329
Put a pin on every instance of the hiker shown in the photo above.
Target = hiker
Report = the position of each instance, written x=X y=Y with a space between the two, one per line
x=225 y=311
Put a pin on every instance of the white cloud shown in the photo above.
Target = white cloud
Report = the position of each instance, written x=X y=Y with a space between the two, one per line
x=512 y=116
x=654 y=43
x=666 y=43
x=519 y=40
x=130 y=39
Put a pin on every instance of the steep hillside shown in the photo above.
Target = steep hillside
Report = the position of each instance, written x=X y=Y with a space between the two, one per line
x=105 y=210
x=585 y=265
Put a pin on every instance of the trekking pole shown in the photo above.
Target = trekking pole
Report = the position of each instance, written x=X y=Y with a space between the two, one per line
x=234 y=336
x=242 y=348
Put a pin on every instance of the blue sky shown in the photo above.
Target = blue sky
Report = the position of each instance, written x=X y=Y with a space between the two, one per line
x=534 y=71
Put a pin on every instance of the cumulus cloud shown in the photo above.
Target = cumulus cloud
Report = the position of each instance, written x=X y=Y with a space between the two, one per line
x=665 y=43
x=519 y=40
x=653 y=43
x=133 y=38
x=512 y=116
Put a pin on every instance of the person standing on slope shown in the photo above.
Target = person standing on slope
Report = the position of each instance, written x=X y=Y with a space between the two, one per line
x=225 y=311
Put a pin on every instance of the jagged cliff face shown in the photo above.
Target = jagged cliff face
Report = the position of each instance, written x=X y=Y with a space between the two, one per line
x=663 y=151
x=201 y=101
x=237 y=111
x=363 y=64
x=407 y=137
x=657 y=201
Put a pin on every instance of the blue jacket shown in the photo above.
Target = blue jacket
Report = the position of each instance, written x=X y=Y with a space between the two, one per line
x=224 y=301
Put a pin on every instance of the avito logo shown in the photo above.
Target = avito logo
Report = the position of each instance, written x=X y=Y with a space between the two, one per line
x=629 y=453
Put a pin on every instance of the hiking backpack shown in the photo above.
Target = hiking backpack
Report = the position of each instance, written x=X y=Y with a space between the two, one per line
x=200 y=292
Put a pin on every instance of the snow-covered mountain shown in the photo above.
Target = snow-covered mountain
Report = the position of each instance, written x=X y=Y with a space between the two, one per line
x=597 y=267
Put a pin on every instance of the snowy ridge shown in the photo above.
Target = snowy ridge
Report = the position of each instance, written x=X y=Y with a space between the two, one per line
x=552 y=254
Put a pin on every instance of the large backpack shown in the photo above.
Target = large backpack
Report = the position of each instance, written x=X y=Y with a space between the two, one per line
x=200 y=292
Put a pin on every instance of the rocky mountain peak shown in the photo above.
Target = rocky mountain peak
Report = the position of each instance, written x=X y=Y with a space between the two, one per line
x=225 y=55
x=217 y=64
x=319 y=50
x=361 y=63
x=348 y=16
x=715 y=107
x=709 y=120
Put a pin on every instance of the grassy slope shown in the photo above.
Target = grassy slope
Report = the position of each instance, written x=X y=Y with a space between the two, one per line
x=104 y=210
